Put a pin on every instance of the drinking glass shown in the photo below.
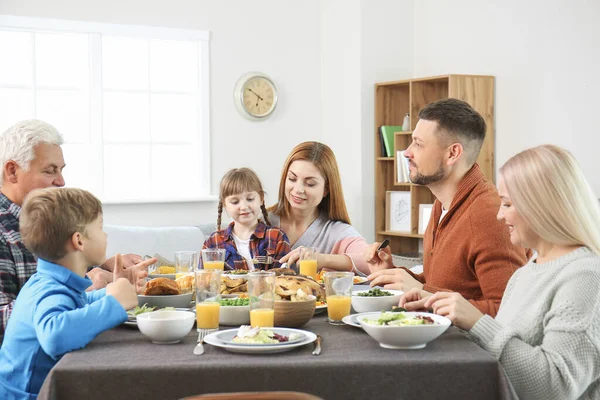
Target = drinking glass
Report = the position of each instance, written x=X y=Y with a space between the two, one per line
x=186 y=262
x=338 y=294
x=308 y=262
x=213 y=259
x=208 y=289
x=261 y=290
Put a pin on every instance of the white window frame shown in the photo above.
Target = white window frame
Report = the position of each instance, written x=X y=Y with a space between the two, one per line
x=96 y=30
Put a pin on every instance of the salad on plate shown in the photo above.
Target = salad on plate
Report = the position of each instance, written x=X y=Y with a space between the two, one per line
x=400 y=319
x=261 y=336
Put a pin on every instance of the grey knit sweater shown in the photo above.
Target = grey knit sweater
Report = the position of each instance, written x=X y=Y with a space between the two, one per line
x=547 y=332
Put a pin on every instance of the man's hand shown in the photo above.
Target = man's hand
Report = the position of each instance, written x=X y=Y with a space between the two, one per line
x=100 y=278
x=135 y=274
x=455 y=307
x=378 y=260
x=127 y=260
x=396 y=278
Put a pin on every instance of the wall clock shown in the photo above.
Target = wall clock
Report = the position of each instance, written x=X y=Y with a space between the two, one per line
x=255 y=96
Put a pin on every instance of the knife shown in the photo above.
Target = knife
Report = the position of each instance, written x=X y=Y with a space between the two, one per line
x=317 y=344
x=383 y=244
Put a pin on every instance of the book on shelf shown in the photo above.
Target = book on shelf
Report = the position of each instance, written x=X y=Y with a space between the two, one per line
x=388 y=137
x=403 y=172
x=382 y=144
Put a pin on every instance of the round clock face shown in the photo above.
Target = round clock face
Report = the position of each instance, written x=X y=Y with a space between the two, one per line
x=256 y=96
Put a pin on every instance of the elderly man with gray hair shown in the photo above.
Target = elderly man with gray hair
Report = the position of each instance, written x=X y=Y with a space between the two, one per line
x=31 y=158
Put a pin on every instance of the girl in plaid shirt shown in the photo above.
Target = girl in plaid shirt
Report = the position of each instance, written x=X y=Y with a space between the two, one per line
x=241 y=194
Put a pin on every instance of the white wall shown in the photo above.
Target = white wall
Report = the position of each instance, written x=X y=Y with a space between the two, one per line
x=281 y=39
x=326 y=55
x=362 y=43
x=340 y=91
x=386 y=54
x=545 y=56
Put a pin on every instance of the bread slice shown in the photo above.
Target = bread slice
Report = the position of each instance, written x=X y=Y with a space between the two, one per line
x=161 y=286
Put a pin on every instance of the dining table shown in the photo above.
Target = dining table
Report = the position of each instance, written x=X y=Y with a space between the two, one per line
x=122 y=363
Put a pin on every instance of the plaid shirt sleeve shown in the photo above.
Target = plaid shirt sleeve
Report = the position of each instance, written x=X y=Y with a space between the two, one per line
x=9 y=285
x=278 y=241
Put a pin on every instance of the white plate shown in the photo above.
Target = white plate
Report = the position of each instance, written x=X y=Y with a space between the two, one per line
x=320 y=309
x=227 y=337
x=132 y=321
x=236 y=276
x=168 y=276
x=360 y=279
x=213 y=340
x=351 y=320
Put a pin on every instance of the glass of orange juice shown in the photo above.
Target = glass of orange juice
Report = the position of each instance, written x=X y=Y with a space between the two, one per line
x=213 y=259
x=208 y=295
x=308 y=262
x=338 y=294
x=261 y=290
x=186 y=263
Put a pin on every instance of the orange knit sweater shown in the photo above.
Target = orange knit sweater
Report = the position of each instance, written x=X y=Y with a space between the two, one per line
x=469 y=251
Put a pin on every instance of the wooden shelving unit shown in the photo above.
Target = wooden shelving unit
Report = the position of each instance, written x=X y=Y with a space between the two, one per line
x=392 y=101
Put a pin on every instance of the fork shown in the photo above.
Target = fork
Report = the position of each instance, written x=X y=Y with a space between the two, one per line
x=317 y=344
x=199 y=349
x=268 y=260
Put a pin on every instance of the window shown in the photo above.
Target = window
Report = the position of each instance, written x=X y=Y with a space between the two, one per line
x=130 y=101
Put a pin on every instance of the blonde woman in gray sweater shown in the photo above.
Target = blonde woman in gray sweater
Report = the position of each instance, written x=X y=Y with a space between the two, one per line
x=547 y=331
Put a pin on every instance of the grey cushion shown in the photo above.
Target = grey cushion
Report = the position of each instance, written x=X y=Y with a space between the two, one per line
x=151 y=240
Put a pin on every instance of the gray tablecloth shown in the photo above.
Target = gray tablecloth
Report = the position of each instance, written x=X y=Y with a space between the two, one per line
x=123 y=364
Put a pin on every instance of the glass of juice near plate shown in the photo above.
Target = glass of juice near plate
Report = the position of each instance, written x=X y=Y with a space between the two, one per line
x=208 y=289
x=186 y=263
x=261 y=290
x=308 y=262
x=213 y=259
x=338 y=294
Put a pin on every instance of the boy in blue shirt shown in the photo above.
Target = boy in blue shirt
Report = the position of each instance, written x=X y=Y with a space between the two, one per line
x=53 y=314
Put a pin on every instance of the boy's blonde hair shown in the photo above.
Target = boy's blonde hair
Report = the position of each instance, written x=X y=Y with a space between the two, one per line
x=549 y=190
x=240 y=180
x=50 y=217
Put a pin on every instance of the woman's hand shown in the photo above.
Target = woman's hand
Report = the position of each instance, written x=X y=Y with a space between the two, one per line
x=414 y=300
x=455 y=307
x=291 y=257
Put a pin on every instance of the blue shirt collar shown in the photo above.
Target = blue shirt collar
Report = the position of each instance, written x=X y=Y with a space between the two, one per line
x=63 y=275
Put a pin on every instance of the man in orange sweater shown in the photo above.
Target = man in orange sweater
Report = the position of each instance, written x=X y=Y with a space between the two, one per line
x=466 y=249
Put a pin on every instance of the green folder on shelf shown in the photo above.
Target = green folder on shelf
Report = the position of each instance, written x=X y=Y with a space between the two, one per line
x=388 y=137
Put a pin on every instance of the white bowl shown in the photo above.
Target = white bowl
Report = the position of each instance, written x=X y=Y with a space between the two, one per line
x=381 y=303
x=176 y=300
x=165 y=327
x=234 y=315
x=407 y=336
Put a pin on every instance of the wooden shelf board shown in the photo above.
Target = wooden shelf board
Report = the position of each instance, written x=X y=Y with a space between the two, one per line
x=404 y=184
x=431 y=78
x=385 y=158
x=394 y=83
x=400 y=234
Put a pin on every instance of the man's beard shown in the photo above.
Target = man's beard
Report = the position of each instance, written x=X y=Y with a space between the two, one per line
x=423 y=180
